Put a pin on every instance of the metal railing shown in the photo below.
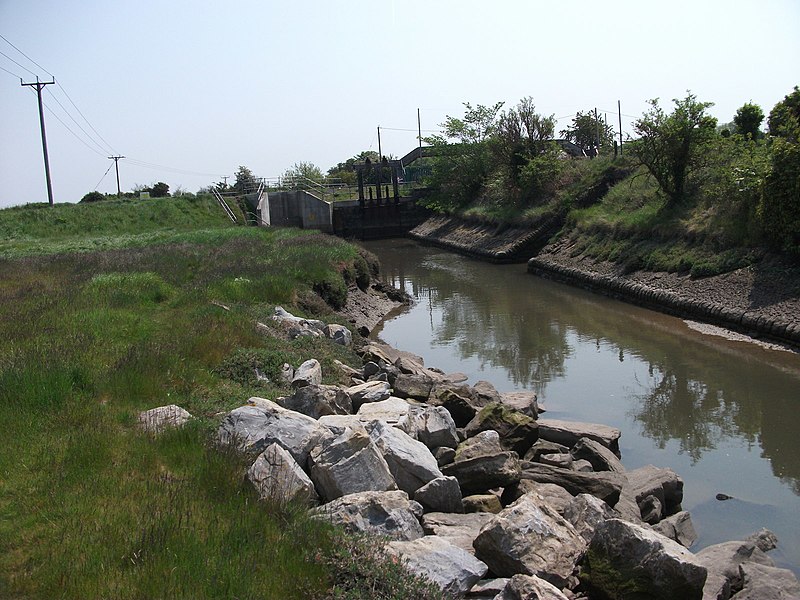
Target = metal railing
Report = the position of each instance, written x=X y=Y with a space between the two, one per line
x=224 y=205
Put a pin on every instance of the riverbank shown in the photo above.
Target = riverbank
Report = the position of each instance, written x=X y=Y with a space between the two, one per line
x=761 y=300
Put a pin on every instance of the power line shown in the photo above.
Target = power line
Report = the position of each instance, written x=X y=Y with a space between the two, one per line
x=75 y=135
x=84 y=117
x=103 y=177
x=89 y=137
x=26 y=56
x=18 y=64
x=10 y=73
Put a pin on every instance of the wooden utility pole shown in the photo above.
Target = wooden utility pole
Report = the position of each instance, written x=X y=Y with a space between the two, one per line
x=116 y=165
x=380 y=154
x=619 y=111
x=39 y=85
x=419 y=129
x=597 y=132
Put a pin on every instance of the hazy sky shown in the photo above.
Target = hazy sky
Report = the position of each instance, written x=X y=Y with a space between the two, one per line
x=199 y=88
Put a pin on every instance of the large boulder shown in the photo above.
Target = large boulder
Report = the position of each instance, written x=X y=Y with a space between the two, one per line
x=483 y=473
x=525 y=402
x=486 y=443
x=277 y=477
x=663 y=484
x=586 y=512
x=410 y=462
x=308 y=373
x=600 y=457
x=417 y=387
x=348 y=464
x=556 y=496
x=389 y=514
x=517 y=431
x=252 y=428
x=339 y=334
x=484 y=393
x=393 y=411
x=530 y=538
x=456 y=399
x=442 y=494
x=625 y=560
x=433 y=426
x=459 y=529
x=678 y=527
x=318 y=400
x=607 y=486
x=454 y=570
x=569 y=433
x=529 y=587
x=337 y=424
x=162 y=418
x=761 y=582
x=723 y=562
x=371 y=391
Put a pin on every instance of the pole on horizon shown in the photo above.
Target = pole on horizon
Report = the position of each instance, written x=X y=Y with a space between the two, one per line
x=619 y=111
x=116 y=166
x=39 y=85
x=419 y=129
x=597 y=132
x=380 y=154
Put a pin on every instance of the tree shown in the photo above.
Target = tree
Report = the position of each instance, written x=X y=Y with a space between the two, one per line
x=671 y=146
x=748 y=120
x=245 y=182
x=304 y=171
x=93 y=197
x=584 y=132
x=159 y=190
x=785 y=116
x=346 y=171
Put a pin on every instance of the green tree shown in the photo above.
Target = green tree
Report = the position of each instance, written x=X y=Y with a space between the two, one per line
x=671 y=145
x=748 y=120
x=93 y=197
x=245 y=182
x=785 y=115
x=159 y=190
x=304 y=171
x=584 y=131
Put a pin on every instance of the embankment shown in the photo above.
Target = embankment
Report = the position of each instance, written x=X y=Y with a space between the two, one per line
x=762 y=300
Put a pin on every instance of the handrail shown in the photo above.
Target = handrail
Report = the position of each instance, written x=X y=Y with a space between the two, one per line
x=224 y=205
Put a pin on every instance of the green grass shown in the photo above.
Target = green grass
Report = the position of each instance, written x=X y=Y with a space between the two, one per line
x=90 y=507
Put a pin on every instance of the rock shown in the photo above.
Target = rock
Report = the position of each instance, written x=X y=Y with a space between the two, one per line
x=524 y=402
x=582 y=466
x=544 y=447
x=449 y=567
x=585 y=512
x=456 y=400
x=651 y=510
x=569 y=433
x=444 y=456
x=606 y=486
x=157 y=420
x=303 y=330
x=339 y=334
x=562 y=461
x=308 y=373
x=337 y=424
x=678 y=527
x=556 y=496
x=529 y=587
x=417 y=387
x=348 y=464
x=370 y=369
x=644 y=563
x=601 y=458
x=318 y=400
x=459 y=529
x=664 y=484
x=347 y=370
x=487 y=589
x=486 y=443
x=482 y=503
x=723 y=561
x=410 y=364
x=764 y=539
x=518 y=432
x=389 y=514
x=287 y=373
x=433 y=426
x=392 y=411
x=767 y=583
x=371 y=391
x=442 y=494
x=277 y=477
x=253 y=428
x=410 y=462
x=484 y=393
x=530 y=538
x=483 y=473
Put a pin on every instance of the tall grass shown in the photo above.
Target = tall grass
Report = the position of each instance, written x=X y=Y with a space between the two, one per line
x=90 y=506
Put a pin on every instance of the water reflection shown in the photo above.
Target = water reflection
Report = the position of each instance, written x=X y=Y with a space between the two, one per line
x=698 y=391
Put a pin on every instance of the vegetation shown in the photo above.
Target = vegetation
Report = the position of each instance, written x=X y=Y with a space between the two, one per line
x=685 y=196
x=589 y=132
x=108 y=309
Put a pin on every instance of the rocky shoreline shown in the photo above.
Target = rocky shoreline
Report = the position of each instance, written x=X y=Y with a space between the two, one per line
x=475 y=490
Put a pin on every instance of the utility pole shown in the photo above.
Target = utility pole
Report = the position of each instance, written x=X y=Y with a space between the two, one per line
x=597 y=132
x=225 y=180
x=380 y=154
x=419 y=129
x=619 y=110
x=116 y=165
x=39 y=85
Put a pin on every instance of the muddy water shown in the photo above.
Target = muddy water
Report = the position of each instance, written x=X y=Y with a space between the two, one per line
x=723 y=413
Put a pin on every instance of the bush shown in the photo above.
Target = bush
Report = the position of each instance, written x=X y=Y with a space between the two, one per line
x=93 y=197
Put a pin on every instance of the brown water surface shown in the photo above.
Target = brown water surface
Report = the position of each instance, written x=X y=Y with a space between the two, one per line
x=724 y=414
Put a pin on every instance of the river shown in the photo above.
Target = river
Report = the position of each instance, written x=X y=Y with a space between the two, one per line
x=723 y=414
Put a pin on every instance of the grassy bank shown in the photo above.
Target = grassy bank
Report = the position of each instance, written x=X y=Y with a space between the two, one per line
x=110 y=309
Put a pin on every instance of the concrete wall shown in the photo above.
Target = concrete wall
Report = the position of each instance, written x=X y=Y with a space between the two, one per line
x=296 y=209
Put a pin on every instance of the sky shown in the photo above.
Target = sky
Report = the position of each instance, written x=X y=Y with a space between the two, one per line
x=189 y=90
